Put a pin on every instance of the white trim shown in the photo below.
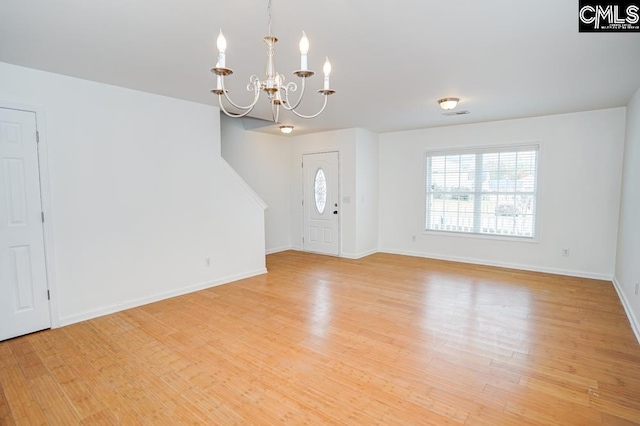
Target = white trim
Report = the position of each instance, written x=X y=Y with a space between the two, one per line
x=278 y=250
x=556 y=271
x=47 y=226
x=94 y=313
x=492 y=237
x=45 y=198
x=359 y=255
x=243 y=183
x=567 y=272
x=635 y=324
x=515 y=266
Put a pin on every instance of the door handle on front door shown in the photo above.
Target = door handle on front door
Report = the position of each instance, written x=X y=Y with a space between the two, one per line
x=335 y=212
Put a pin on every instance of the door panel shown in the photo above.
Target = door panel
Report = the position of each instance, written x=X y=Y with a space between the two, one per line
x=320 y=206
x=24 y=304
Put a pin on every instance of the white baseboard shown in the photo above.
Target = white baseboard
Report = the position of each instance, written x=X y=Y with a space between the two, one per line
x=359 y=255
x=106 y=310
x=343 y=255
x=507 y=265
x=567 y=272
x=278 y=250
x=635 y=324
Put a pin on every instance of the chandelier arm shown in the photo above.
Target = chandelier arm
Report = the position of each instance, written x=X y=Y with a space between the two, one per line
x=314 y=115
x=230 y=114
x=254 y=83
x=286 y=95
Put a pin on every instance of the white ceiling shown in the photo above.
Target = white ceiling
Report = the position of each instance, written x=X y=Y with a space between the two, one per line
x=391 y=60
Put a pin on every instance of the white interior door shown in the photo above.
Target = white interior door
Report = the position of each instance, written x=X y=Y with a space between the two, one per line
x=320 y=204
x=24 y=302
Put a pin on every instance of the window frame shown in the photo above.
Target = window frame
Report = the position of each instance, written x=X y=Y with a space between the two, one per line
x=484 y=149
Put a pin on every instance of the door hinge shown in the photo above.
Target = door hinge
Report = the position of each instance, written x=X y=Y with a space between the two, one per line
x=302 y=164
x=42 y=216
x=303 y=202
x=37 y=137
x=48 y=295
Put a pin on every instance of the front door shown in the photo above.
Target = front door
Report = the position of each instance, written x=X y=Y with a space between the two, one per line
x=24 y=304
x=320 y=204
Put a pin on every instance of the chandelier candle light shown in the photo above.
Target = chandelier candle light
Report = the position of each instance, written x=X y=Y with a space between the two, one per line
x=274 y=83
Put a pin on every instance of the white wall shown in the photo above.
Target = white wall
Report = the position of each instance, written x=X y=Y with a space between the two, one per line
x=627 y=273
x=139 y=197
x=366 y=195
x=263 y=162
x=579 y=192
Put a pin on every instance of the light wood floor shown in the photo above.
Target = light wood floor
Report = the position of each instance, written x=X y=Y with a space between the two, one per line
x=319 y=340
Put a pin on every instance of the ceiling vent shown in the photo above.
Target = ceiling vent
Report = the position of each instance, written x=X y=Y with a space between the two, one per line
x=453 y=113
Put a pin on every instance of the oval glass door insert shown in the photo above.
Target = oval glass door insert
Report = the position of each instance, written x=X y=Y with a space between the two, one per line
x=320 y=190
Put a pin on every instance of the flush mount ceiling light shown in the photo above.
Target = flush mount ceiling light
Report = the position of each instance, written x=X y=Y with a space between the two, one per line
x=286 y=129
x=448 y=103
x=273 y=84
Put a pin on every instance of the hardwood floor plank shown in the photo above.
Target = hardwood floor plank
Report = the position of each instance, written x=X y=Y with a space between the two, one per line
x=22 y=404
x=5 y=412
x=7 y=359
x=541 y=407
x=55 y=407
x=386 y=339
x=28 y=359
x=611 y=420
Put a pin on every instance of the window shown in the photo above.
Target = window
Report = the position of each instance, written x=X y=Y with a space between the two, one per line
x=320 y=190
x=483 y=191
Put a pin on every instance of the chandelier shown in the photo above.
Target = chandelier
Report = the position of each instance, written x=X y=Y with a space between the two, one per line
x=274 y=83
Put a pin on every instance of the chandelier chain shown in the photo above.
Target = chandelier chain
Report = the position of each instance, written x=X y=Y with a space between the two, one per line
x=269 y=17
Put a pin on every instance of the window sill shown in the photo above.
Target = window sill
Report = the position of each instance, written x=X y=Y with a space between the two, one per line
x=494 y=237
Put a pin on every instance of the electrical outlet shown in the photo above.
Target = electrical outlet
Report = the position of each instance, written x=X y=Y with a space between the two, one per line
x=566 y=252
x=413 y=239
x=207 y=261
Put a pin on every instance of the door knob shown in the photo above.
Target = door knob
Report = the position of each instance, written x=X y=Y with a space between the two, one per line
x=335 y=212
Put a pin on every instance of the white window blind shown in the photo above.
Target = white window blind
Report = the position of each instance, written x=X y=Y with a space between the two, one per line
x=490 y=191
